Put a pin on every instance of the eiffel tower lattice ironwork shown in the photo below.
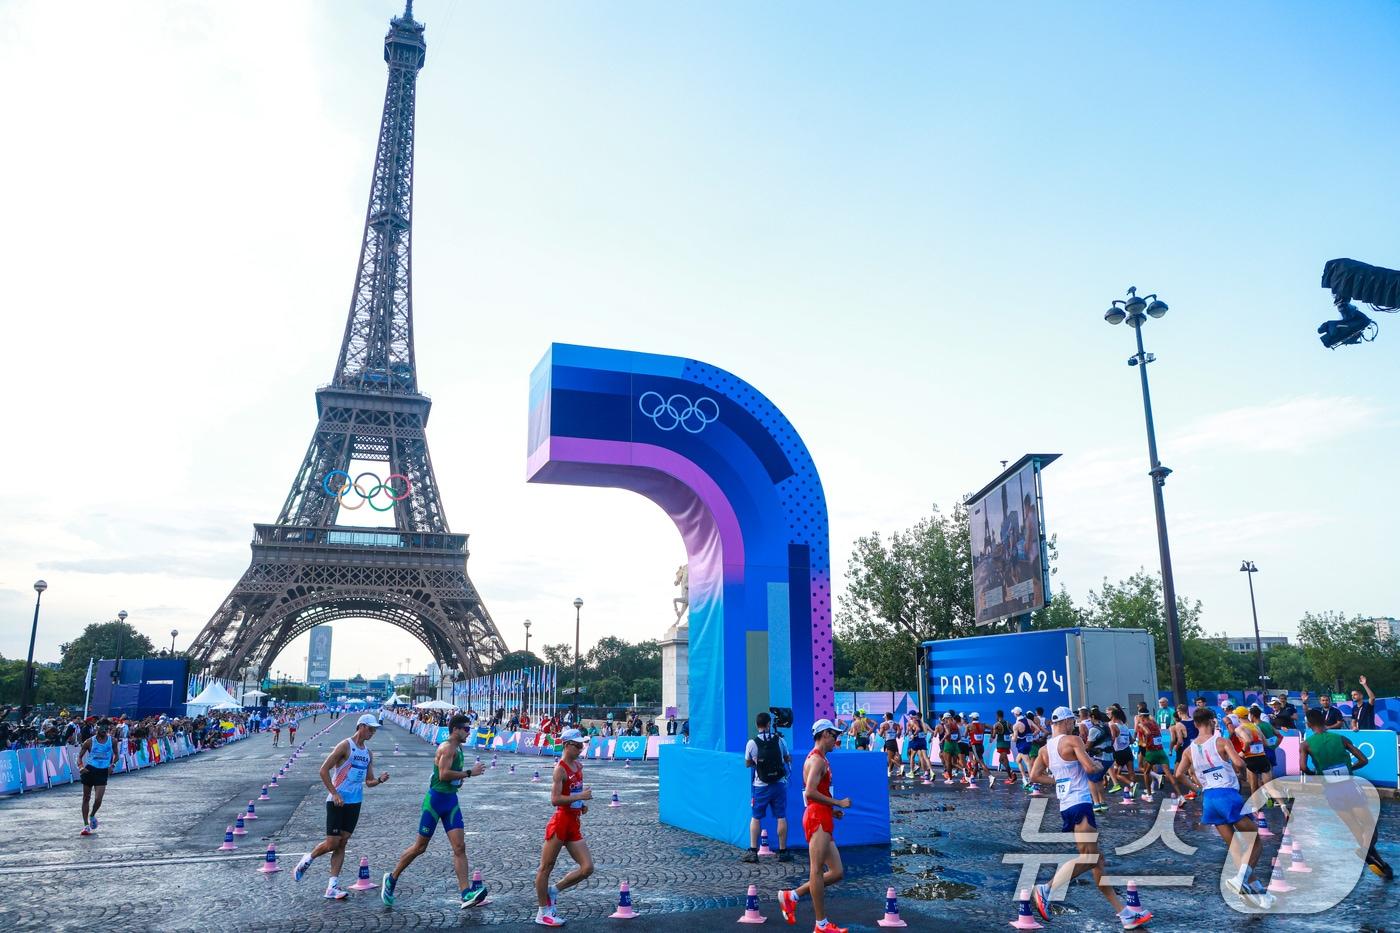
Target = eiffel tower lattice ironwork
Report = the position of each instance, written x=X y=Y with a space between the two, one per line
x=308 y=568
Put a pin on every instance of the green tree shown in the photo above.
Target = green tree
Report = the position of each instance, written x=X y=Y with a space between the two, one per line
x=1209 y=665
x=560 y=655
x=1059 y=612
x=1339 y=648
x=1289 y=669
x=1136 y=602
x=104 y=640
x=915 y=587
x=515 y=661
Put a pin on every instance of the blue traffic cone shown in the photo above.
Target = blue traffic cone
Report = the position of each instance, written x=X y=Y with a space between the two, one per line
x=269 y=864
x=238 y=829
x=1131 y=899
x=891 y=917
x=1024 y=920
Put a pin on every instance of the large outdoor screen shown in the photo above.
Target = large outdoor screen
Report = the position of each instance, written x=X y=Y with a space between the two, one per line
x=1008 y=548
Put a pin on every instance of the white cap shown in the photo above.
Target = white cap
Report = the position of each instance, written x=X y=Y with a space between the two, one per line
x=1015 y=711
x=973 y=715
x=573 y=735
x=1061 y=713
x=823 y=725
x=368 y=720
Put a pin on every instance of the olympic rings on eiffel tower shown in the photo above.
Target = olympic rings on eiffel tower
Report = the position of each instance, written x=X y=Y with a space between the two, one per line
x=338 y=484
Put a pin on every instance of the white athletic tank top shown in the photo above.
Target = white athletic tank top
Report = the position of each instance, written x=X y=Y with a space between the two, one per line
x=349 y=777
x=1071 y=783
x=1216 y=773
x=1123 y=738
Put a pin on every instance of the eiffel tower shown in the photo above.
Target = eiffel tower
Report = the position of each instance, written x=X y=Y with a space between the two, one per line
x=309 y=568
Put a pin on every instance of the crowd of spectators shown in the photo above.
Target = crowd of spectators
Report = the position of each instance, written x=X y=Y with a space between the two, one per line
x=72 y=729
x=512 y=720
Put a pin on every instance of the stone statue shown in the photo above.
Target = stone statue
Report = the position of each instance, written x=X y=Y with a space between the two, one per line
x=682 y=602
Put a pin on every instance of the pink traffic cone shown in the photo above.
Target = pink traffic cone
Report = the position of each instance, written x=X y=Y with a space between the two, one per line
x=536 y=778
x=476 y=880
x=1298 y=864
x=615 y=802
x=363 y=883
x=269 y=864
x=627 y=764
x=763 y=843
x=751 y=914
x=263 y=795
x=1131 y=899
x=891 y=917
x=1277 y=885
x=228 y=845
x=1263 y=822
x=512 y=767
x=273 y=782
x=1024 y=920
x=624 y=904
x=252 y=813
x=238 y=829
x=397 y=750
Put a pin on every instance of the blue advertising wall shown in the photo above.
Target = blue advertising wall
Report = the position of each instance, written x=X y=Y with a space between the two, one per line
x=996 y=672
x=145 y=687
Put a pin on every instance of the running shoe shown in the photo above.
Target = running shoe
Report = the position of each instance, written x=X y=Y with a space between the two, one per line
x=335 y=893
x=785 y=855
x=474 y=898
x=1379 y=865
x=1116 y=788
x=830 y=928
x=548 y=919
x=386 y=889
x=787 y=903
x=85 y=832
x=750 y=856
x=1134 y=917
x=1190 y=795
x=1100 y=808
x=299 y=872
x=1040 y=897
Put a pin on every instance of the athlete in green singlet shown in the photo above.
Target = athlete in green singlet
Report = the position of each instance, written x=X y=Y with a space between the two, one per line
x=440 y=804
x=1335 y=758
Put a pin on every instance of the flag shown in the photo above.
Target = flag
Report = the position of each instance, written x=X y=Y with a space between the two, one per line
x=87 y=678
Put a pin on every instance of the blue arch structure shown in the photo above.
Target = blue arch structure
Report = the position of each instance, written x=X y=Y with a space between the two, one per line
x=736 y=479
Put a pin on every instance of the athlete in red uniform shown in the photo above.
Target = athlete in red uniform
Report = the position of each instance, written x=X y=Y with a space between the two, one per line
x=818 y=823
x=564 y=830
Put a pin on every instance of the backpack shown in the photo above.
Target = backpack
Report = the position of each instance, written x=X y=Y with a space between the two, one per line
x=768 y=763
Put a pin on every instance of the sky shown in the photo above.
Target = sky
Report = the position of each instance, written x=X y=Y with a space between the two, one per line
x=901 y=222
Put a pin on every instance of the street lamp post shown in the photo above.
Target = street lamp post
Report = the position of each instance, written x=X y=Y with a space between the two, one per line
x=173 y=633
x=1136 y=310
x=39 y=587
x=578 y=609
x=527 y=636
x=121 y=640
x=1248 y=567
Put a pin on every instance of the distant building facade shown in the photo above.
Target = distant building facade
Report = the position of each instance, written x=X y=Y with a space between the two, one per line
x=1245 y=644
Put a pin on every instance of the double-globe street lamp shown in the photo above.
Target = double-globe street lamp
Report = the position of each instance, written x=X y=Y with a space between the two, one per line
x=121 y=639
x=1248 y=567
x=1135 y=310
x=39 y=587
x=527 y=636
x=578 y=609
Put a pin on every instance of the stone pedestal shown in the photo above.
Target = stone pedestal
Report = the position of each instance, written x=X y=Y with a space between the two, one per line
x=675 y=665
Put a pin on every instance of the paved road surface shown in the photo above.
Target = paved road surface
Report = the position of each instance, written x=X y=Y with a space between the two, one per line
x=153 y=865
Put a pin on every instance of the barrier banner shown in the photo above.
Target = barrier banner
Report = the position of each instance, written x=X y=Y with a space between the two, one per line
x=654 y=743
x=598 y=748
x=507 y=741
x=630 y=747
x=11 y=780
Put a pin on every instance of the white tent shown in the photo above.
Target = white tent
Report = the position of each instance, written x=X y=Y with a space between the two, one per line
x=433 y=704
x=253 y=694
x=395 y=700
x=219 y=706
x=210 y=697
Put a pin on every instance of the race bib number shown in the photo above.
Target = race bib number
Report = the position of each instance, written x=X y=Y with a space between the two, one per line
x=1337 y=771
x=1156 y=741
x=1256 y=748
x=1216 y=777
x=1062 y=788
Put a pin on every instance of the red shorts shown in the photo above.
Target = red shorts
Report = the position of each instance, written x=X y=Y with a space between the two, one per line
x=564 y=825
x=817 y=817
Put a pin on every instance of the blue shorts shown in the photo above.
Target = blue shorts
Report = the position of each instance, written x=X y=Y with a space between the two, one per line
x=918 y=744
x=769 y=797
x=438 y=806
x=1221 y=806
x=1073 y=816
x=1098 y=776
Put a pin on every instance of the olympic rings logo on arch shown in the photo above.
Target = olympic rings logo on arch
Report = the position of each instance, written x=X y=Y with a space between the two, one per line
x=339 y=485
x=678 y=411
